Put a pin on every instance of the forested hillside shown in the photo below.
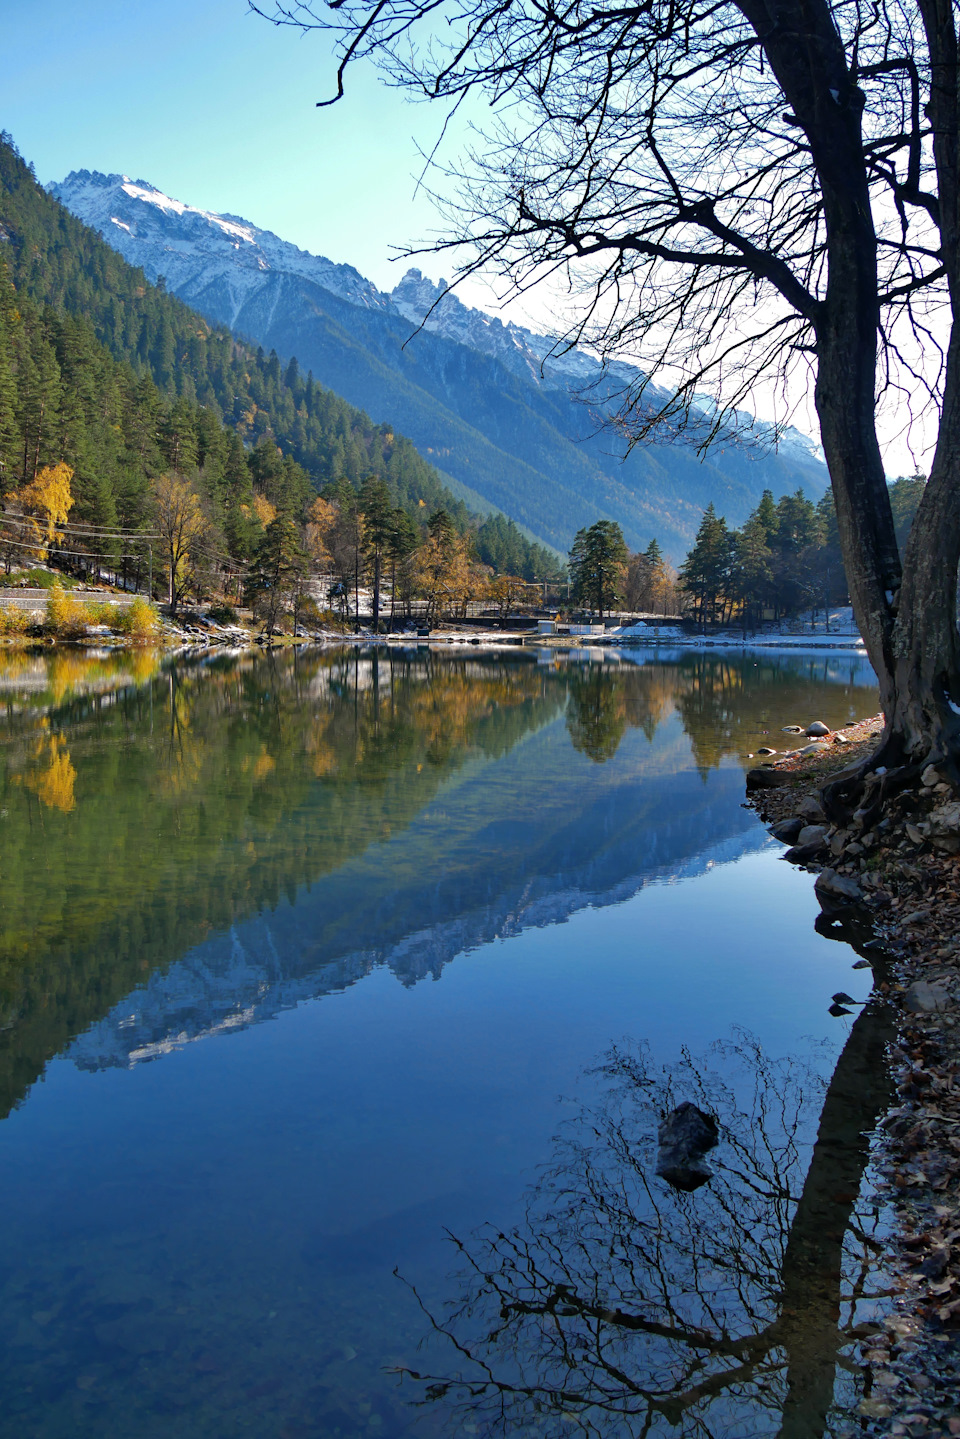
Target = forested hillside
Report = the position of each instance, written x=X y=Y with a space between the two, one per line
x=102 y=370
x=488 y=403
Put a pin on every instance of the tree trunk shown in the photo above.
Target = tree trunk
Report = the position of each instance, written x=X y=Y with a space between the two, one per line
x=845 y=405
x=376 y=593
x=924 y=720
x=846 y=328
x=924 y=723
x=909 y=629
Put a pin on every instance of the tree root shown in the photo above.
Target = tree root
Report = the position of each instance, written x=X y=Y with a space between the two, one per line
x=859 y=794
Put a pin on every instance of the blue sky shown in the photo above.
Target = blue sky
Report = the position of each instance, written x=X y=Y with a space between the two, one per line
x=217 y=107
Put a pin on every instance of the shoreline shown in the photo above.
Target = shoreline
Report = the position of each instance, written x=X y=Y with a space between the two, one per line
x=906 y=880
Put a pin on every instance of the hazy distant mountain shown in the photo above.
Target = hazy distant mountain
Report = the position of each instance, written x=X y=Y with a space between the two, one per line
x=487 y=402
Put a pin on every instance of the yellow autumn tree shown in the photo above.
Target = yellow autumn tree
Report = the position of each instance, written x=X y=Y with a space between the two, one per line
x=321 y=518
x=265 y=512
x=33 y=514
x=443 y=573
x=50 y=500
x=183 y=526
x=505 y=591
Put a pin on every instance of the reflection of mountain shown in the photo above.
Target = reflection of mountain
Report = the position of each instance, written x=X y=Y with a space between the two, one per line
x=273 y=829
x=506 y=876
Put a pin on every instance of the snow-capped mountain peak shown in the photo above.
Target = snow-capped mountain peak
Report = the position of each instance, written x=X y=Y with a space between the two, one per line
x=536 y=357
x=198 y=249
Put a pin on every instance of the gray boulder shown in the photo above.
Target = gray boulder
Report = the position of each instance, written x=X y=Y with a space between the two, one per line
x=924 y=998
x=787 y=830
x=942 y=827
x=763 y=777
x=817 y=728
x=685 y=1135
x=812 y=834
x=832 y=889
x=803 y=853
x=810 y=810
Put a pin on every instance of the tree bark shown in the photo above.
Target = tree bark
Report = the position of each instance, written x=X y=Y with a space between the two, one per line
x=924 y=719
x=924 y=722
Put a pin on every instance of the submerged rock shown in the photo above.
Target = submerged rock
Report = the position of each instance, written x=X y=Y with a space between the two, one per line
x=685 y=1135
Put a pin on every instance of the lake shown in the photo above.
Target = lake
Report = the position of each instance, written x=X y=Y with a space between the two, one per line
x=341 y=994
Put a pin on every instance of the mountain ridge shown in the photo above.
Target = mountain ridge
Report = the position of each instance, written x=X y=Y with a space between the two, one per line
x=491 y=404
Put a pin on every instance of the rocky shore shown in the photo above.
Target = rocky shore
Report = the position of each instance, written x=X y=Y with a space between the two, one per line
x=904 y=876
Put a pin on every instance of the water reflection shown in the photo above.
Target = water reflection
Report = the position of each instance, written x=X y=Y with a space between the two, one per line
x=621 y=1306
x=289 y=823
x=190 y=848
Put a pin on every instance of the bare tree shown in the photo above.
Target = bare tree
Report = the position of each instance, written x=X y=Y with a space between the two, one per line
x=737 y=191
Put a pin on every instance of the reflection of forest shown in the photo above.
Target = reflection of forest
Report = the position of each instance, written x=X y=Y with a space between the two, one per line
x=626 y=1308
x=145 y=809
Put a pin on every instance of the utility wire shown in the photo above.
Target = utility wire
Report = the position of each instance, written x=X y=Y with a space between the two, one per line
x=80 y=554
x=84 y=532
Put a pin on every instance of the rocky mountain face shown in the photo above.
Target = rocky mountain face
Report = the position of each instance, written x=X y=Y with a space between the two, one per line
x=512 y=425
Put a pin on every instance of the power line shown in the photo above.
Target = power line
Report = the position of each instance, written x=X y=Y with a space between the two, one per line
x=79 y=554
x=85 y=532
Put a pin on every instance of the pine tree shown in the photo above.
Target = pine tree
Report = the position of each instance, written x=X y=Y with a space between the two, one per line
x=276 y=574
x=377 y=509
x=400 y=546
x=705 y=573
x=753 y=570
x=598 y=562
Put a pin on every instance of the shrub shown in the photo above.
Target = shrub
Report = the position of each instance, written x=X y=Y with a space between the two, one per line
x=138 y=620
x=222 y=614
x=15 y=622
x=67 y=618
x=100 y=612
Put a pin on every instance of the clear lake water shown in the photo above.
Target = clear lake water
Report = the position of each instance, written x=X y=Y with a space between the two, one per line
x=341 y=994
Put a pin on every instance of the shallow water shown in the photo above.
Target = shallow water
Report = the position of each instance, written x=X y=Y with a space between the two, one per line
x=307 y=964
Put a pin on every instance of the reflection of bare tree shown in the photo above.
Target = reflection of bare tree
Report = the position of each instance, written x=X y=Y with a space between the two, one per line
x=620 y=1306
